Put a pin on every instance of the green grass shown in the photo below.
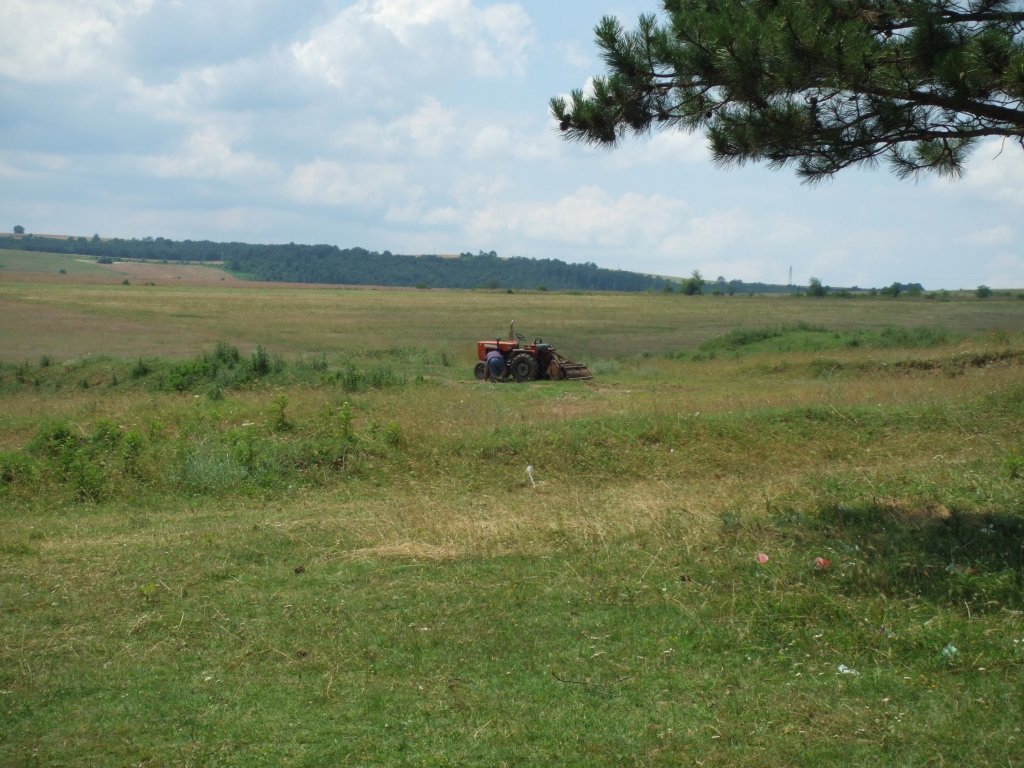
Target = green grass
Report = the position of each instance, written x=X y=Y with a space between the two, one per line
x=174 y=320
x=803 y=337
x=48 y=264
x=333 y=555
x=274 y=636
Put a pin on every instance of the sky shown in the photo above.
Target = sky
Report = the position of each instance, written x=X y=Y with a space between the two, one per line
x=422 y=126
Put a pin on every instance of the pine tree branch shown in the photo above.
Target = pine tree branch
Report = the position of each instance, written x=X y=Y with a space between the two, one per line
x=932 y=99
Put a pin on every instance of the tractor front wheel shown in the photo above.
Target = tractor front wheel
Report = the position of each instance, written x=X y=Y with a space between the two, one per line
x=479 y=370
x=523 y=368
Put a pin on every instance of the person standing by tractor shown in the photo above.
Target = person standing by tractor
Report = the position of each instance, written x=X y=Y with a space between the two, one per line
x=494 y=366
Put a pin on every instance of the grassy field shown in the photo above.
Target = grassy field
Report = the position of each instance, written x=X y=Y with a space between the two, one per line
x=264 y=526
x=190 y=309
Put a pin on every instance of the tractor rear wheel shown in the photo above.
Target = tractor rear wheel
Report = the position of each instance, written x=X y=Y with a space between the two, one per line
x=479 y=370
x=523 y=368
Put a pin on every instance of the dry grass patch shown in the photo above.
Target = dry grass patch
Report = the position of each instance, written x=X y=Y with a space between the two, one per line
x=443 y=523
x=294 y=320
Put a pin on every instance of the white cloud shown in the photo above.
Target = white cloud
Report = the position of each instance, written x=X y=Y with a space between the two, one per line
x=998 y=235
x=996 y=172
x=48 y=40
x=786 y=230
x=490 y=141
x=1005 y=270
x=589 y=216
x=338 y=53
x=425 y=132
x=749 y=268
x=509 y=27
x=474 y=190
x=587 y=90
x=209 y=153
x=445 y=216
x=326 y=182
x=573 y=55
x=701 y=237
x=433 y=131
x=32 y=165
x=663 y=148
x=495 y=37
x=248 y=224
x=376 y=44
x=500 y=144
x=429 y=128
x=265 y=82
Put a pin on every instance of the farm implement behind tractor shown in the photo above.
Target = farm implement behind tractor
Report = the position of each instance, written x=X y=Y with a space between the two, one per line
x=526 y=362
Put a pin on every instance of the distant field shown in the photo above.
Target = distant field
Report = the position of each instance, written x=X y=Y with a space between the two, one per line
x=20 y=265
x=16 y=266
x=176 y=310
x=253 y=525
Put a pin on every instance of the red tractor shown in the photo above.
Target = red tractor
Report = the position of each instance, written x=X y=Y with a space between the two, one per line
x=526 y=362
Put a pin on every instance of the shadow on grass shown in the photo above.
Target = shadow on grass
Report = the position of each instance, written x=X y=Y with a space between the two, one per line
x=964 y=558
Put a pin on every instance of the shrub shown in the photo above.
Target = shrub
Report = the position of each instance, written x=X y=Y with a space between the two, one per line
x=1013 y=466
x=21 y=372
x=382 y=377
x=16 y=468
x=893 y=290
x=87 y=477
x=391 y=434
x=278 y=418
x=319 y=364
x=209 y=469
x=336 y=424
x=226 y=354
x=140 y=369
x=131 y=451
x=182 y=377
x=106 y=435
x=914 y=337
x=260 y=361
x=54 y=439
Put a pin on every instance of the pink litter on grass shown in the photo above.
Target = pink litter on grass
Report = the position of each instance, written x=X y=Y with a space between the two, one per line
x=762 y=558
x=821 y=563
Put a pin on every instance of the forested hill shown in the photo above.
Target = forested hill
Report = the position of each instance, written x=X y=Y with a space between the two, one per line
x=352 y=266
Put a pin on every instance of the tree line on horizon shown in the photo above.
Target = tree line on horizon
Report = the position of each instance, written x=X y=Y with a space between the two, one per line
x=331 y=265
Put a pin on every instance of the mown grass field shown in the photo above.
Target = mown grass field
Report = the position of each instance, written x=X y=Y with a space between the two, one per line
x=262 y=526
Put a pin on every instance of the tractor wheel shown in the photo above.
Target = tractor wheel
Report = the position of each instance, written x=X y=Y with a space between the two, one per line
x=523 y=368
x=479 y=369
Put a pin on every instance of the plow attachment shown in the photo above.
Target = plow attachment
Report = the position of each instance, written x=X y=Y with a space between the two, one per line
x=562 y=367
